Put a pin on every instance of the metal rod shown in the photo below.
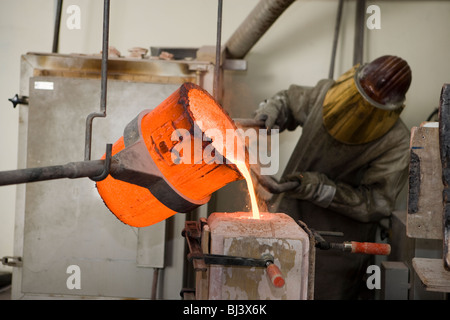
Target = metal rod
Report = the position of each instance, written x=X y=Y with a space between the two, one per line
x=249 y=122
x=104 y=76
x=154 y=284
x=337 y=28
x=70 y=170
x=359 y=32
x=331 y=233
x=57 y=26
x=104 y=72
x=96 y=170
x=231 y=260
x=218 y=50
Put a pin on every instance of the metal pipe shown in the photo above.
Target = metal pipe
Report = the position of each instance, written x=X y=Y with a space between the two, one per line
x=70 y=170
x=312 y=258
x=218 y=50
x=337 y=28
x=243 y=122
x=359 y=32
x=104 y=74
x=57 y=26
x=96 y=170
x=155 y=284
x=254 y=26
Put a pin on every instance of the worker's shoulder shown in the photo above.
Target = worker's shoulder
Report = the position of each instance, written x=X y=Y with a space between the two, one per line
x=399 y=133
x=323 y=84
x=312 y=92
x=322 y=87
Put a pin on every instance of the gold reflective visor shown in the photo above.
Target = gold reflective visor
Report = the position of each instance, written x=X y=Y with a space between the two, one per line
x=351 y=117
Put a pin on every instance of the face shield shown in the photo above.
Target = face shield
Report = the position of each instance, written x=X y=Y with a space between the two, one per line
x=366 y=101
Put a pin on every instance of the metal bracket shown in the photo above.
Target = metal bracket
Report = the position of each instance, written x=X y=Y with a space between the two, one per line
x=18 y=100
x=321 y=243
x=12 y=261
x=192 y=233
x=107 y=166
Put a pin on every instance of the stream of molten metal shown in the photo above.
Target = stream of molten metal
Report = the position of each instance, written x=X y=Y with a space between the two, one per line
x=215 y=118
x=242 y=167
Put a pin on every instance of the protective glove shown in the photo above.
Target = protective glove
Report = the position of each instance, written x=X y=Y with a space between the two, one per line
x=275 y=113
x=314 y=187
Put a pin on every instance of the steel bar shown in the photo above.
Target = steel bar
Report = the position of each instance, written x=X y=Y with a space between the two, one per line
x=232 y=260
x=243 y=122
x=104 y=76
x=218 y=50
x=96 y=170
x=57 y=26
x=312 y=258
x=359 y=32
x=331 y=233
x=70 y=170
x=337 y=28
x=155 y=283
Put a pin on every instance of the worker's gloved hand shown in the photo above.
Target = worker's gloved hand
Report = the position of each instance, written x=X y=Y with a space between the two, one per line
x=314 y=187
x=275 y=113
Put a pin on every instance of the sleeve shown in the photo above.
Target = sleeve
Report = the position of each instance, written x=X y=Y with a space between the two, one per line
x=289 y=108
x=381 y=183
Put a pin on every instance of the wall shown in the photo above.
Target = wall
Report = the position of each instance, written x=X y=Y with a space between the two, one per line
x=24 y=26
x=296 y=49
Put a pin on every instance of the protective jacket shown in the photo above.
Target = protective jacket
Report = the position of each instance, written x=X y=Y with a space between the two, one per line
x=357 y=186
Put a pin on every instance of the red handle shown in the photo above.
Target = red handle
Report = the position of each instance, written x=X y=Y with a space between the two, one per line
x=275 y=276
x=371 y=248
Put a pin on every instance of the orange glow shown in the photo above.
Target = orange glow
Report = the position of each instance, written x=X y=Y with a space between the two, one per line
x=243 y=215
x=214 y=119
x=183 y=109
x=130 y=203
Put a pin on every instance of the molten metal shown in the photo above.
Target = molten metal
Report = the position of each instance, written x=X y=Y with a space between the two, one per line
x=251 y=190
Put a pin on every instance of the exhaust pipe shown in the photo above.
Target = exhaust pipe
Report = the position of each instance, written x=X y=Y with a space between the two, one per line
x=254 y=26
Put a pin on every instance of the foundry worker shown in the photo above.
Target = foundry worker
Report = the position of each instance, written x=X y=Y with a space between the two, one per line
x=351 y=162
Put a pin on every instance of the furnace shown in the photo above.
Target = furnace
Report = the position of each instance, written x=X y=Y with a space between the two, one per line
x=238 y=235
